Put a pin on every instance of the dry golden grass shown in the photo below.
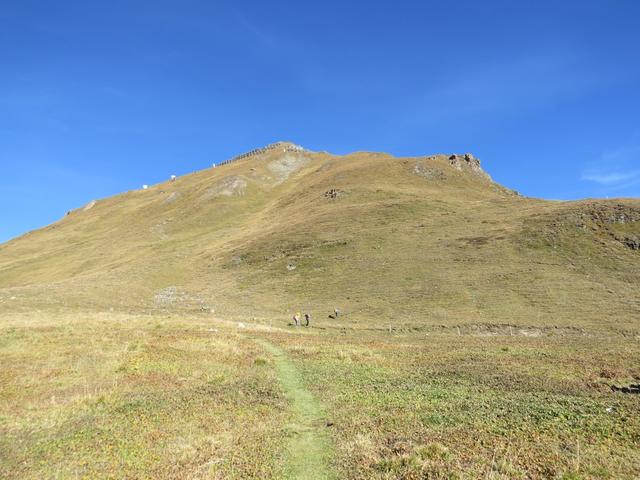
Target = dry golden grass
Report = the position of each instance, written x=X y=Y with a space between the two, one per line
x=96 y=396
x=478 y=337
x=117 y=396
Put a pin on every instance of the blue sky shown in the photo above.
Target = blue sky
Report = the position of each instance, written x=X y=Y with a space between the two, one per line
x=101 y=97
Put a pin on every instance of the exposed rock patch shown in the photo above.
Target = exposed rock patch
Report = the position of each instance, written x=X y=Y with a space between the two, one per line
x=284 y=166
x=89 y=206
x=333 y=193
x=172 y=197
x=234 y=185
x=428 y=172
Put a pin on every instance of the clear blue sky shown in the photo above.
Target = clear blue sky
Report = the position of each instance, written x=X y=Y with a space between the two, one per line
x=101 y=97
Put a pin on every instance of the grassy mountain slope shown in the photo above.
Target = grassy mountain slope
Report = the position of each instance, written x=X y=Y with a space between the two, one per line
x=390 y=241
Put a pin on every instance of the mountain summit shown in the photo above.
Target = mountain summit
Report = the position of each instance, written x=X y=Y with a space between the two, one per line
x=411 y=240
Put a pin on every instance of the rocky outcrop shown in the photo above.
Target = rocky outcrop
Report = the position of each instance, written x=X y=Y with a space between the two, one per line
x=460 y=161
x=467 y=162
x=333 y=193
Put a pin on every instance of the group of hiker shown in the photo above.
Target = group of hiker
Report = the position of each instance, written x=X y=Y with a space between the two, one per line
x=297 y=319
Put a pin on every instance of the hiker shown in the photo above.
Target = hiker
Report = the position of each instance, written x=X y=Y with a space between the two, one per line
x=336 y=313
x=307 y=319
x=296 y=319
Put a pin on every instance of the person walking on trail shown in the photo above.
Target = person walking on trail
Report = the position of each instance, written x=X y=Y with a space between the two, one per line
x=307 y=319
x=336 y=313
x=296 y=319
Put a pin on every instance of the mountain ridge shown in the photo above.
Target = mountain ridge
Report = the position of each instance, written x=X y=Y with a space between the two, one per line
x=415 y=240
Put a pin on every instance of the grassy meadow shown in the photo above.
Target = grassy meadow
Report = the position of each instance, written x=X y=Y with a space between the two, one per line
x=114 y=396
x=448 y=406
x=135 y=397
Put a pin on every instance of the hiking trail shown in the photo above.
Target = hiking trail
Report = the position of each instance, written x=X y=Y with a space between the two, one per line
x=309 y=446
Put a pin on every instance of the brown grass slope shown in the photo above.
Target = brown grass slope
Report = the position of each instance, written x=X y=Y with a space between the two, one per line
x=406 y=242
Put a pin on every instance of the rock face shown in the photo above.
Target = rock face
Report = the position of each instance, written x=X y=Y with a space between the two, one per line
x=286 y=165
x=467 y=162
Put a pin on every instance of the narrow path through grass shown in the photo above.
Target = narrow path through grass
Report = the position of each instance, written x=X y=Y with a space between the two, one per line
x=309 y=448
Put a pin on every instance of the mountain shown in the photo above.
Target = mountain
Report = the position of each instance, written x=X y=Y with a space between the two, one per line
x=413 y=241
